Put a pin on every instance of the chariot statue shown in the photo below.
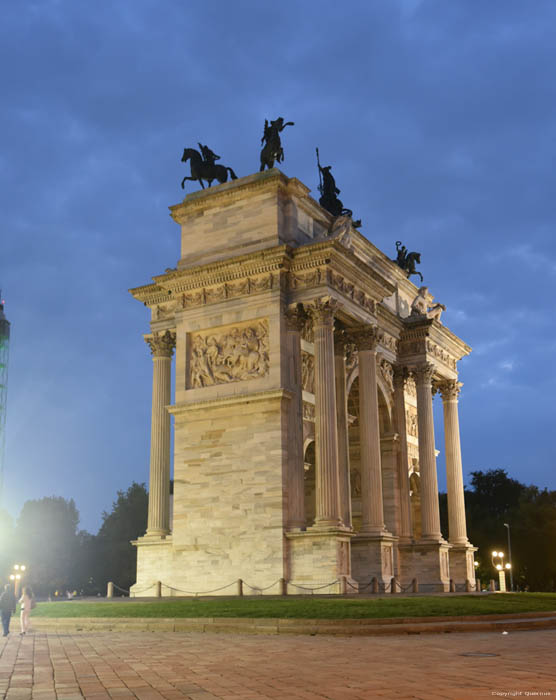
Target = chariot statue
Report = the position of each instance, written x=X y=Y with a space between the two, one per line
x=272 y=149
x=204 y=166
x=407 y=261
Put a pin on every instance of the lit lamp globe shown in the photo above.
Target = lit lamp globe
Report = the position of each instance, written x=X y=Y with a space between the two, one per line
x=499 y=567
x=508 y=566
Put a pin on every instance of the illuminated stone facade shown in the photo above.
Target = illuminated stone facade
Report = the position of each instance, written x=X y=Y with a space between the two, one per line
x=304 y=449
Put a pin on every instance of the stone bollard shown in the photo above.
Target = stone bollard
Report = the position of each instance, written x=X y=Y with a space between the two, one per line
x=452 y=586
x=239 y=587
x=415 y=585
x=478 y=585
x=283 y=587
x=110 y=590
x=343 y=585
x=158 y=589
x=393 y=585
x=492 y=586
x=374 y=585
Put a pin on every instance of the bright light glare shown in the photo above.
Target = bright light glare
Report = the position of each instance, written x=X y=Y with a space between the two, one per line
x=508 y=566
x=495 y=554
x=499 y=567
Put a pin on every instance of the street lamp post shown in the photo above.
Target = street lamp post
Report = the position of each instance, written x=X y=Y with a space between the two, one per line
x=506 y=525
x=498 y=563
x=19 y=571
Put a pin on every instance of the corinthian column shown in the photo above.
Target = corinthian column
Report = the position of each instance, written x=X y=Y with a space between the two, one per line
x=449 y=390
x=342 y=427
x=400 y=375
x=372 y=509
x=430 y=512
x=162 y=348
x=295 y=320
x=326 y=436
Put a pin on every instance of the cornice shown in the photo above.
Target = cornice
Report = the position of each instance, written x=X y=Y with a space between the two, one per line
x=181 y=408
x=149 y=294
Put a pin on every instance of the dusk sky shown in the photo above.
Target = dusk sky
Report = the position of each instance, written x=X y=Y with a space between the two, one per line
x=438 y=117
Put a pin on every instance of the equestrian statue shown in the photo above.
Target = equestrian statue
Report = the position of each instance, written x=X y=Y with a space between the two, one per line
x=329 y=193
x=204 y=167
x=272 y=149
x=407 y=261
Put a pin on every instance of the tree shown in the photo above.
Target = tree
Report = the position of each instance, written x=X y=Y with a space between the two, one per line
x=116 y=556
x=46 y=542
x=496 y=499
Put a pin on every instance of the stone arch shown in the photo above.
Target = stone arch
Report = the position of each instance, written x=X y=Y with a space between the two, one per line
x=386 y=427
x=415 y=499
x=309 y=484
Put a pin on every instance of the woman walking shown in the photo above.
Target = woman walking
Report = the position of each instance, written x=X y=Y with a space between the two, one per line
x=26 y=602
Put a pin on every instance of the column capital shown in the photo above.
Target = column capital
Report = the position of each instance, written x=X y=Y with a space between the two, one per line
x=161 y=345
x=322 y=311
x=342 y=342
x=366 y=337
x=401 y=373
x=424 y=373
x=449 y=389
x=296 y=318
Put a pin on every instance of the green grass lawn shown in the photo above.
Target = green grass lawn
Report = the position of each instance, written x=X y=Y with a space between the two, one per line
x=313 y=608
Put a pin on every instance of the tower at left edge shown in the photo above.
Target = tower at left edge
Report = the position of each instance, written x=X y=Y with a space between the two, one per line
x=4 y=353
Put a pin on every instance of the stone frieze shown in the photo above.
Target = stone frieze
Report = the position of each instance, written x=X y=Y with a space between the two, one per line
x=236 y=353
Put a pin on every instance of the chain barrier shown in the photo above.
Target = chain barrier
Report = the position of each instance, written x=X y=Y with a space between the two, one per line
x=196 y=593
x=256 y=588
x=123 y=590
x=316 y=588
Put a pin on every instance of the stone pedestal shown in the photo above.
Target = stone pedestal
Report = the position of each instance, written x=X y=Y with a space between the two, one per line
x=462 y=567
x=373 y=555
x=318 y=559
x=428 y=562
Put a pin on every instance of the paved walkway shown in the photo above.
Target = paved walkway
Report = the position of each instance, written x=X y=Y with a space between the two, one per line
x=156 y=665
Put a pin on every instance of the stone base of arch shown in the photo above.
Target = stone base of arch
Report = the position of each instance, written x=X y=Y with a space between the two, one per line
x=462 y=567
x=373 y=556
x=428 y=562
x=317 y=557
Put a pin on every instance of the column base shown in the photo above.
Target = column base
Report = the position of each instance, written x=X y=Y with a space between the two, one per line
x=462 y=567
x=428 y=562
x=373 y=556
x=156 y=534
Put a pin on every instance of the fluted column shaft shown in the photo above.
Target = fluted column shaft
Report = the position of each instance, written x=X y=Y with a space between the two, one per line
x=326 y=435
x=162 y=347
x=295 y=319
x=372 y=508
x=400 y=376
x=449 y=391
x=430 y=511
x=342 y=427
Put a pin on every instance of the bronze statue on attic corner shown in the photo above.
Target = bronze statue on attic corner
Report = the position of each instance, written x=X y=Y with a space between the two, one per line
x=204 y=167
x=329 y=194
x=407 y=261
x=272 y=149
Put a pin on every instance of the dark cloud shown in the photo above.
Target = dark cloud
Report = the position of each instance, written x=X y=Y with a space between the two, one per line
x=438 y=118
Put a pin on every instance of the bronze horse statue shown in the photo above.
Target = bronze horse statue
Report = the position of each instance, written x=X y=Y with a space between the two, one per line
x=407 y=261
x=272 y=150
x=206 y=170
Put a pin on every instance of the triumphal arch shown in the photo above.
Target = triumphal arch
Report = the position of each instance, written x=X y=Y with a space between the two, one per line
x=305 y=368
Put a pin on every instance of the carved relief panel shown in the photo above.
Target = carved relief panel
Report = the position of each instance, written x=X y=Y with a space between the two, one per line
x=232 y=354
x=308 y=372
